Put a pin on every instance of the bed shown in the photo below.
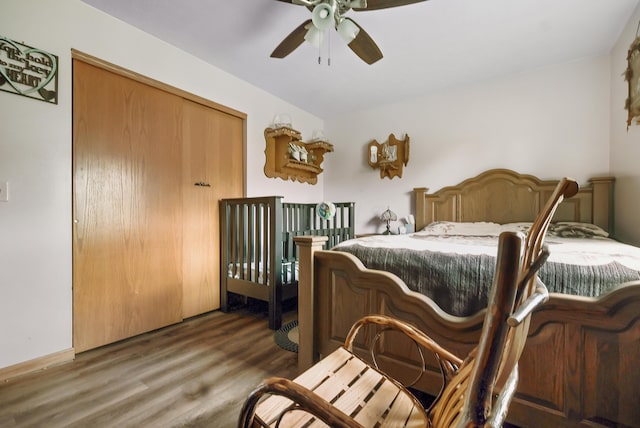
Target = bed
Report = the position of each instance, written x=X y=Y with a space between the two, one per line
x=258 y=252
x=580 y=366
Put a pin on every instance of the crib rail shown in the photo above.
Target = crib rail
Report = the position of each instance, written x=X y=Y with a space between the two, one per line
x=301 y=220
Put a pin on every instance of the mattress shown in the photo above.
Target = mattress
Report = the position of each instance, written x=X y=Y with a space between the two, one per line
x=255 y=272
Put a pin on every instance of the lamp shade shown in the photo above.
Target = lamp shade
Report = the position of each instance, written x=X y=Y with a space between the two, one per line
x=388 y=215
x=322 y=15
x=314 y=36
x=348 y=30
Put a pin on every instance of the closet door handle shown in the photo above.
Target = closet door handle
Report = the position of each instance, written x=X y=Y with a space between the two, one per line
x=202 y=184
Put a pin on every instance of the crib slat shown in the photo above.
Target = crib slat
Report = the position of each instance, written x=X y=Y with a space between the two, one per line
x=275 y=264
x=224 y=257
x=259 y=243
x=264 y=225
x=234 y=240
x=251 y=259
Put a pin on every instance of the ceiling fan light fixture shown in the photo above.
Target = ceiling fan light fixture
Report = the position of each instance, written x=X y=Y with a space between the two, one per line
x=348 y=30
x=314 y=36
x=323 y=15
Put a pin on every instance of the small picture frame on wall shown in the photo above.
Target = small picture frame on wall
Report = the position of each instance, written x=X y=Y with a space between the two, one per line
x=632 y=76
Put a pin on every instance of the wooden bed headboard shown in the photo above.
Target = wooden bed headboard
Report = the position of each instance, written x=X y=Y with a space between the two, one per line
x=505 y=196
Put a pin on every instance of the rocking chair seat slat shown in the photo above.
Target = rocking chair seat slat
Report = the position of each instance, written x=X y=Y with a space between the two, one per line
x=352 y=386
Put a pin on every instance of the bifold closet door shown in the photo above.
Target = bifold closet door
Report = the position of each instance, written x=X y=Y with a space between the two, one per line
x=212 y=170
x=127 y=207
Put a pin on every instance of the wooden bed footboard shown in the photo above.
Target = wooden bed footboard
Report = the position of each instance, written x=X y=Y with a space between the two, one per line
x=579 y=368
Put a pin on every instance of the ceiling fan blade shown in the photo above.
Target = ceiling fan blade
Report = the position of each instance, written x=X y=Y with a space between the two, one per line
x=384 y=4
x=364 y=46
x=308 y=4
x=294 y=2
x=291 y=42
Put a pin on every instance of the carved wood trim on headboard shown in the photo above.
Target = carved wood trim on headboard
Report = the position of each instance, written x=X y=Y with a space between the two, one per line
x=505 y=196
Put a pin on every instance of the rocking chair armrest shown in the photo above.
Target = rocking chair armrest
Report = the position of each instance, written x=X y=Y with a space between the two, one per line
x=409 y=330
x=304 y=399
x=537 y=298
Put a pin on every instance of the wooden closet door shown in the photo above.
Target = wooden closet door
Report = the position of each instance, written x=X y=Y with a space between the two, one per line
x=212 y=158
x=127 y=240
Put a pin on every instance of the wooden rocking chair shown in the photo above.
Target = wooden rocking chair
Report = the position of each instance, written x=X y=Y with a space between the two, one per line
x=342 y=390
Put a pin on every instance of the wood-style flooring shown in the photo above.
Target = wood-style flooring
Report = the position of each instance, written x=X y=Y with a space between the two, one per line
x=193 y=374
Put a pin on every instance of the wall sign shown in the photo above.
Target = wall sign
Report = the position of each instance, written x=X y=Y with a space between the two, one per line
x=28 y=71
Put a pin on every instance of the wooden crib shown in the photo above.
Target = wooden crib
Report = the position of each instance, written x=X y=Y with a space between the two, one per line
x=258 y=256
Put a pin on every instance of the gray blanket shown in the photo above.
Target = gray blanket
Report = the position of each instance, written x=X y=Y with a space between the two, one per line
x=460 y=284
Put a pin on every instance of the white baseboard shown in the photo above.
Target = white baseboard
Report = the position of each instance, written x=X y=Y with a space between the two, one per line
x=39 y=363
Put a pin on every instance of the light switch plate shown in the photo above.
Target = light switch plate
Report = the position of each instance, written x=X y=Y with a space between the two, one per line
x=4 y=191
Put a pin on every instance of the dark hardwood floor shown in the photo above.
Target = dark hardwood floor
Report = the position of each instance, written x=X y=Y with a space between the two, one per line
x=193 y=374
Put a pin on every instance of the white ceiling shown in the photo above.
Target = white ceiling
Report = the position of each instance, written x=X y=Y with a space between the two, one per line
x=427 y=46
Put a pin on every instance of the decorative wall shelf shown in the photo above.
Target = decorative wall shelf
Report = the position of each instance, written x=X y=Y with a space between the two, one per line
x=389 y=156
x=289 y=158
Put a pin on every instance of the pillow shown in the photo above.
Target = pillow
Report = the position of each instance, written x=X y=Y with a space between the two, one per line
x=516 y=227
x=571 y=229
x=562 y=229
x=481 y=228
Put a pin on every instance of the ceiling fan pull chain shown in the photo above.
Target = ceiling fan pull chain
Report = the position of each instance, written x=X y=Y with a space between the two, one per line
x=329 y=51
x=320 y=52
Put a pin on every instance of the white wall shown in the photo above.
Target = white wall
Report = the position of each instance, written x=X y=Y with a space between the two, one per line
x=549 y=122
x=625 y=144
x=35 y=158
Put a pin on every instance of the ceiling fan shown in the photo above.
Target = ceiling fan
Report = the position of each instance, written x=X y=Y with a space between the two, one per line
x=330 y=13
